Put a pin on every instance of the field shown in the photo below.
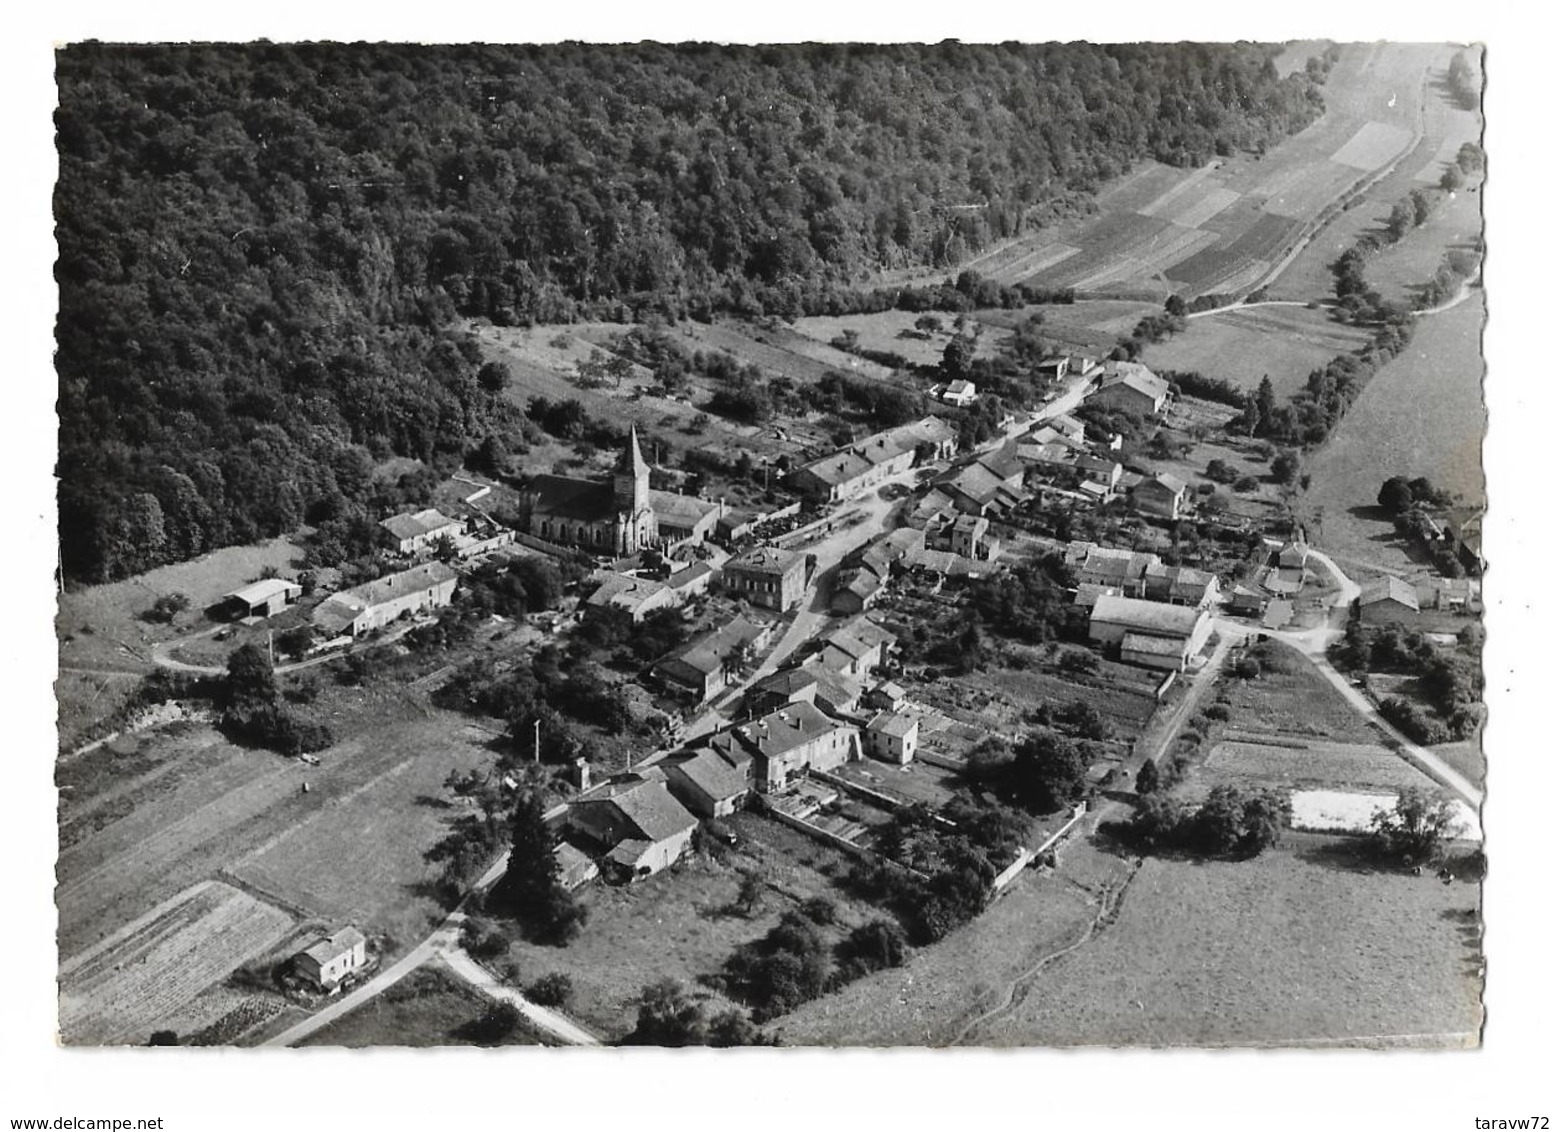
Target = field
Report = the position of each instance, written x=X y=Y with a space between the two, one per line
x=1225 y=226
x=1421 y=415
x=189 y=807
x=677 y=924
x=1288 y=949
x=430 y=1007
x=1242 y=347
x=929 y=1000
x=1291 y=700
x=1401 y=270
x=103 y=641
x=1090 y=324
x=893 y=332
x=1442 y=125
x=122 y=989
x=1314 y=764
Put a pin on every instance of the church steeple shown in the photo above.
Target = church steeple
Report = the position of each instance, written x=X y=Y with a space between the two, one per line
x=631 y=477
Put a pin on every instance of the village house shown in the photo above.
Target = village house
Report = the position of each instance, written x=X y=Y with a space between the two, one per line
x=1180 y=585
x=856 y=588
x=1449 y=595
x=636 y=822
x=1243 y=601
x=707 y=783
x=374 y=605
x=862 y=466
x=1163 y=496
x=786 y=743
x=767 y=576
x=966 y=535
x=1150 y=633
x=1061 y=366
x=628 y=599
x=620 y=515
x=1132 y=388
x=265 y=598
x=1113 y=569
x=703 y=666
x=411 y=532
x=885 y=696
x=892 y=737
x=959 y=393
x=326 y=962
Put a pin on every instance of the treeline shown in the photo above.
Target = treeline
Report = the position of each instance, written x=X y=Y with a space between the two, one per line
x=262 y=248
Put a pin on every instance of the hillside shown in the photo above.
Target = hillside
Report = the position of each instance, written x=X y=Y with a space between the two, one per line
x=264 y=249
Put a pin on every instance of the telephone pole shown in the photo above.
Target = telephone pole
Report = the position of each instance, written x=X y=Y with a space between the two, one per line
x=536 y=741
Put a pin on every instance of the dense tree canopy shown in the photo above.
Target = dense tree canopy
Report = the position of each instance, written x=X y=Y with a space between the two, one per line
x=264 y=248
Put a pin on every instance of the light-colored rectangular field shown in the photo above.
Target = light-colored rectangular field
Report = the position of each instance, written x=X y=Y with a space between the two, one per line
x=1323 y=764
x=1173 y=199
x=1244 y=346
x=119 y=990
x=1311 y=190
x=1373 y=146
x=1194 y=213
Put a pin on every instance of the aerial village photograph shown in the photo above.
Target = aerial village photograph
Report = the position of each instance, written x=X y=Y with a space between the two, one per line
x=824 y=544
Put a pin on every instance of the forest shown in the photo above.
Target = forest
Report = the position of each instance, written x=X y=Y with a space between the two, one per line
x=266 y=251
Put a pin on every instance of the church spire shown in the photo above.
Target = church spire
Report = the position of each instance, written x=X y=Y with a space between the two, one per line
x=632 y=462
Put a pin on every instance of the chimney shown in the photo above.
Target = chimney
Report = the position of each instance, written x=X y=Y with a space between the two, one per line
x=582 y=774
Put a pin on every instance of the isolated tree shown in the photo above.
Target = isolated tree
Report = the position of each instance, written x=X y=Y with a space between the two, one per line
x=732 y=1028
x=529 y=888
x=1396 y=495
x=929 y=324
x=1175 y=306
x=1453 y=179
x=1265 y=402
x=750 y=894
x=1148 y=778
x=1415 y=827
x=493 y=377
x=1423 y=203
x=1286 y=467
x=1049 y=771
x=958 y=355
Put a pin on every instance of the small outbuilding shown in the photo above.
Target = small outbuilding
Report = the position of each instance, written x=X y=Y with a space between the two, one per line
x=265 y=598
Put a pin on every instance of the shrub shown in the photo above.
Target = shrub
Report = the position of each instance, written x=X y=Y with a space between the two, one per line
x=820 y=910
x=555 y=989
x=872 y=947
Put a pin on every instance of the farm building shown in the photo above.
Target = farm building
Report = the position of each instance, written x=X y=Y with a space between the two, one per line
x=1450 y=595
x=966 y=535
x=691 y=581
x=574 y=866
x=892 y=737
x=620 y=515
x=787 y=686
x=1133 y=388
x=1294 y=555
x=1150 y=633
x=265 y=598
x=708 y=784
x=375 y=604
x=1163 y=496
x=784 y=744
x=767 y=576
x=859 y=467
x=1060 y=366
x=700 y=668
x=638 y=823
x=327 y=961
x=410 y=532
x=960 y=393
x=886 y=696
x=1246 y=602
x=854 y=650
x=1385 y=599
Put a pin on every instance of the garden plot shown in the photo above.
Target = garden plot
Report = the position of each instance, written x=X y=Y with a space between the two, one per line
x=121 y=989
x=1311 y=764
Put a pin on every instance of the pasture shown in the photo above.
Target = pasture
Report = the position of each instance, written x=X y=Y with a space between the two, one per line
x=122 y=989
x=929 y=1000
x=1295 y=947
x=680 y=924
x=1421 y=415
x=1243 y=346
x=893 y=332
x=1291 y=701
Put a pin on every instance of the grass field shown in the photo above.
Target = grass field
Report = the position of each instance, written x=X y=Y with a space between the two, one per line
x=1292 y=700
x=430 y=1007
x=1354 y=765
x=121 y=990
x=1242 y=347
x=1292 y=947
x=927 y=1001
x=215 y=807
x=676 y=924
x=1421 y=415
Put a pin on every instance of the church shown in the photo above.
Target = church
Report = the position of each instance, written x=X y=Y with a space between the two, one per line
x=620 y=516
